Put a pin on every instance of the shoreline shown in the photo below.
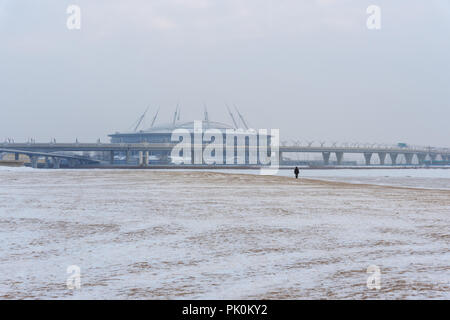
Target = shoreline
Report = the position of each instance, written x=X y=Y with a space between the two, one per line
x=239 y=167
x=330 y=180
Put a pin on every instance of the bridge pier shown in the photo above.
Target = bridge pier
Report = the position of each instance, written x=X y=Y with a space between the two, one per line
x=47 y=162
x=56 y=162
x=339 y=156
x=145 y=158
x=367 y=157
x=382 y=157
x=393 y=158
x=34 y=161
x=408 y=157
x=433 y=157
x=421 y=157
x=326 y=158
x=127 y=157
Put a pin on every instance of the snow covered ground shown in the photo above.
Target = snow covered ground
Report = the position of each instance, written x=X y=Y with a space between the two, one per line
x=144 y=234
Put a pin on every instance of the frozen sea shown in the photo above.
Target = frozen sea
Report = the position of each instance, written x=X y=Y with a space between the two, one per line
x=155 y=234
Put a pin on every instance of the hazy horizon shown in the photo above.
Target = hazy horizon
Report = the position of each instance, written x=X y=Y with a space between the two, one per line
x=310 y=68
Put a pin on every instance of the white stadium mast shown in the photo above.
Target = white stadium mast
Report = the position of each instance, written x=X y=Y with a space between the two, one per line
x=140 y=120
x=206 y=114
x=232 y=117
x=241 y=117
x=176 y=115
x=154 y=118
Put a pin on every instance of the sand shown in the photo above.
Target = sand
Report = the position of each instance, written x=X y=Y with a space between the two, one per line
x=143 y=234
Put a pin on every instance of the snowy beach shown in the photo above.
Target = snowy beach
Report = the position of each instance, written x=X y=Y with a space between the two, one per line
x=143 y=234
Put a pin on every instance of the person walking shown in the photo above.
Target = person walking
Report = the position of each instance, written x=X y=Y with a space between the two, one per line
x=296 y=172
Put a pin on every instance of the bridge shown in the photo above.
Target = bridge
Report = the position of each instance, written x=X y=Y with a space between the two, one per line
x=369 y=151
x=73 y=160
x=49 y=150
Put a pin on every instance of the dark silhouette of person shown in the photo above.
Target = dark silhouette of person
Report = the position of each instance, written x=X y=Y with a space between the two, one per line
x=296 y=172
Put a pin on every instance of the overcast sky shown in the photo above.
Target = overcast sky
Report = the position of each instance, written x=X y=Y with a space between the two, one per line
x=310 y=68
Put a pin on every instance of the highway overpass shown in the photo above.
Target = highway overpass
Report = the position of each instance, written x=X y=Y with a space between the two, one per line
x=55 y=151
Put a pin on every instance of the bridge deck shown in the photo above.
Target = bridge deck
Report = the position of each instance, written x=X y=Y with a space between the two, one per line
x=123 y=147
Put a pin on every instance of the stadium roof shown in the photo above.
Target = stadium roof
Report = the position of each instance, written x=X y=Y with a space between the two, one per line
x=169 y=127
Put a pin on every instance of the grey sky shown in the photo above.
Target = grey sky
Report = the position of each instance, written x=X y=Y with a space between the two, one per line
x=310 y=68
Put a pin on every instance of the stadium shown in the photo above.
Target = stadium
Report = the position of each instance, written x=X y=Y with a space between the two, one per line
x=159 y=134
